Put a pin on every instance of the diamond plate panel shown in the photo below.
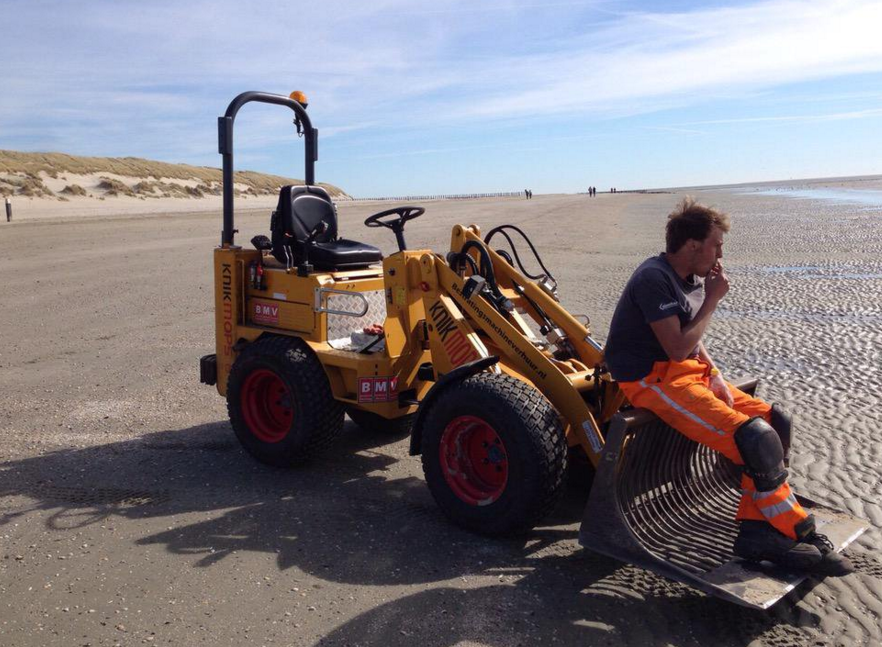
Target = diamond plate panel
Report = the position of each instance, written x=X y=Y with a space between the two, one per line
x=342 y=326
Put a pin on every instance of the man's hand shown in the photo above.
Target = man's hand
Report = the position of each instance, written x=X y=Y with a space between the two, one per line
x=721 y=389
x=716 y=284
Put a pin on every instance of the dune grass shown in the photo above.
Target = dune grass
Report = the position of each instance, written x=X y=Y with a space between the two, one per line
x=27 y=167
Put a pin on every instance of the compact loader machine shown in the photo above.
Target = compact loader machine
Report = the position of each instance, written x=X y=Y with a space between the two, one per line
x=498 y=385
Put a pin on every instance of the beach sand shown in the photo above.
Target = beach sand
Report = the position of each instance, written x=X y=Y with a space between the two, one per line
x=129 y=514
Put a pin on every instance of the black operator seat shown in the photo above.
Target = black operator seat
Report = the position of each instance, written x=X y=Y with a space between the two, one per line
x=300 y=210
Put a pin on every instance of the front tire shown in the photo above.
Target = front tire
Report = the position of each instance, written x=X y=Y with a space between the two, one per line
x=494 y=454
x=280 y=402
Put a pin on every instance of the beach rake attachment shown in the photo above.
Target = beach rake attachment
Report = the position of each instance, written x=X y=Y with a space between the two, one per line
x=667 y=504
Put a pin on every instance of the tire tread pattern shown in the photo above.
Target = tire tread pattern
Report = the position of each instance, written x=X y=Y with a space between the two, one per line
x=545 y=444
x=296 y=362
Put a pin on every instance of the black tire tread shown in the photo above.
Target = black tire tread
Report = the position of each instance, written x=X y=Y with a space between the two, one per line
x=305 y=370
x=545 y=437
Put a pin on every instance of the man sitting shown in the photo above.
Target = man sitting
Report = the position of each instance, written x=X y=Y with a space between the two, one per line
x=655 y=353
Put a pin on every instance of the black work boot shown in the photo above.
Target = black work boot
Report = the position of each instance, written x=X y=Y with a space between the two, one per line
x=832 y=563
x=758 y=541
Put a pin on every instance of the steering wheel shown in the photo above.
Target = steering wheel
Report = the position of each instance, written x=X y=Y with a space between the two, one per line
x=404 y=214
x=397 y=225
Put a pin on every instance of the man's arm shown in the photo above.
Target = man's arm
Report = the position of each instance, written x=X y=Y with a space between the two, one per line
x=717 y=383
x=678 y=341
x=704 y=356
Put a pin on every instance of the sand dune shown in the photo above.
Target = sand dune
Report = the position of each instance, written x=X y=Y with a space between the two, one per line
x=47 y=185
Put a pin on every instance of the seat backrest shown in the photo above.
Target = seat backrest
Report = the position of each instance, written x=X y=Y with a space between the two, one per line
x=300 y=209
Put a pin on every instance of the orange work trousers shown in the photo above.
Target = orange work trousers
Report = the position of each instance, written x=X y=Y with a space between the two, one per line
x=679 y=393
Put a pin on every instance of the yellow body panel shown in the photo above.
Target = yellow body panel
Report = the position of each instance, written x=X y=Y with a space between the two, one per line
x=427 y=320
x=287 y=306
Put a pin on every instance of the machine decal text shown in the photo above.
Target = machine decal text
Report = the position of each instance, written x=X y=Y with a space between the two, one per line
x=596 y=445
x=502 y=334
x=459 y=349
x=265 y=313
x=377 y=389
x=227 y=281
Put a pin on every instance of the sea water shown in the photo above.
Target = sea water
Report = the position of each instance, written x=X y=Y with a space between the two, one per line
x=866 y=197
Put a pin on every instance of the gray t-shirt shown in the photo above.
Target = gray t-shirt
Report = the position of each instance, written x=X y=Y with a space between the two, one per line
x=653 y=292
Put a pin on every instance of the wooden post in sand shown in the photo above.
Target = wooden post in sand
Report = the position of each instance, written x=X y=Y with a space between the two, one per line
x=8 y=210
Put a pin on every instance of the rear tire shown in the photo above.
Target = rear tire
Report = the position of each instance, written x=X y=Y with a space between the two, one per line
x=280 y=402
x=494 y=454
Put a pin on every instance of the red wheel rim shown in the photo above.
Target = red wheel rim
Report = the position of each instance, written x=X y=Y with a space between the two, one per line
x=473 y=460
x=267 y=405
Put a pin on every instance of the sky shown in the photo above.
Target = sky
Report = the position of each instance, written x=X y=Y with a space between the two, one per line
x=457 y=96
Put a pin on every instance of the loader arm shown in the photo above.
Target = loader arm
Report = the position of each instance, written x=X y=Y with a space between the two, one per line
x=445 y=302
x=588 y=350
x=529 y=297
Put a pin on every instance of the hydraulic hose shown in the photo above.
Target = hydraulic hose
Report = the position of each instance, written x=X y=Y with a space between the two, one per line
x=486 y=265
x=501 y=230
x=542 y=314
x=485 y=269
x=456 y=260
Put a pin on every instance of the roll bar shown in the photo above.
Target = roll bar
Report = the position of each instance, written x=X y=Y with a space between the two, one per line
x=225 y=147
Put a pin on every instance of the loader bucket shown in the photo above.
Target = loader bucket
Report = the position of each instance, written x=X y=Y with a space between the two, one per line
x=668 y=504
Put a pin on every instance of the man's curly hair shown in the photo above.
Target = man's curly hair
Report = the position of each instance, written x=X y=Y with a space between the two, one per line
x=692 y=221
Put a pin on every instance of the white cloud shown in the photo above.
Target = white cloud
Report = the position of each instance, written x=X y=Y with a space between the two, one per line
x=652 y=56
x=815 y=118
x=151 y=77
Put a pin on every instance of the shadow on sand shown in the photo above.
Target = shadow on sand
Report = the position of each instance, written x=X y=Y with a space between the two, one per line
x=344 y=519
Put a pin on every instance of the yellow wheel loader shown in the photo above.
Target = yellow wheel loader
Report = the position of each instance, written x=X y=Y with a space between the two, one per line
x=497 y=383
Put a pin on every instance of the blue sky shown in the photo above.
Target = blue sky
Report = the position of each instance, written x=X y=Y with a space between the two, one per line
x=453 y=96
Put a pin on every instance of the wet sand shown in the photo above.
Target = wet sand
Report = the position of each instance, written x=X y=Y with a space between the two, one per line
x=129 y=515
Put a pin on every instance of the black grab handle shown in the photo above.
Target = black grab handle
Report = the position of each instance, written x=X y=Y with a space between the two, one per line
x=225 y=147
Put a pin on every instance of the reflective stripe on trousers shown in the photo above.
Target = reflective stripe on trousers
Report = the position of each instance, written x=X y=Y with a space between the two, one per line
x=678 y=393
